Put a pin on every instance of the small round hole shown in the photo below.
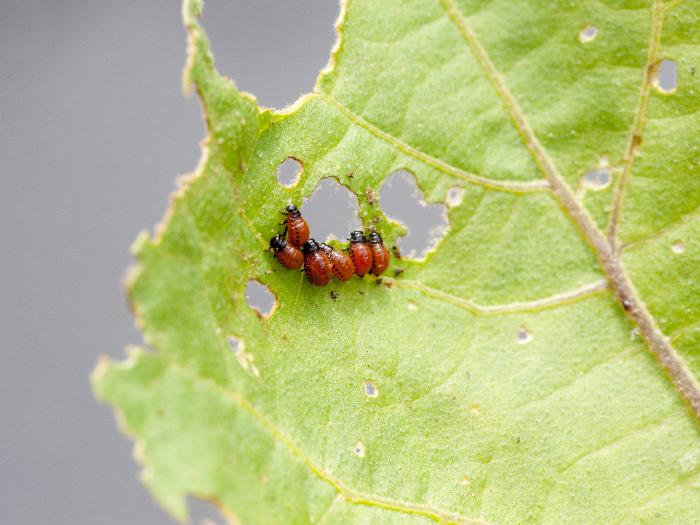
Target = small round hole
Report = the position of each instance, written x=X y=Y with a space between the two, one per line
x=523 y=336
x=370 y=389
x=359 y=449
x=588 y=34
x=665 y=76
x=455 y=196
x=289 y=172
x=596 y=179
x=678 y=247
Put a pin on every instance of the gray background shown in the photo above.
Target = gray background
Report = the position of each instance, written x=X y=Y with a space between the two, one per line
x=93 y=131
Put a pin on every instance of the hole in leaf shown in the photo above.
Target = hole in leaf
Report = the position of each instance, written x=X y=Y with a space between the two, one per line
x=359 y=449
x=260 y=298
x=371 y=389
x=289 y=172
x=588 y=34
x=292 y=40
x=678 y=247
x=665 y=76
x=597 y=179
x=523 y=336
x=427 y=224
x=331 y=211
x=454 y=197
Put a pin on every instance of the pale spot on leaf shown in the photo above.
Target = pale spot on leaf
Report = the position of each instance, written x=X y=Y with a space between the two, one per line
x=244 y=358
x=690 y=460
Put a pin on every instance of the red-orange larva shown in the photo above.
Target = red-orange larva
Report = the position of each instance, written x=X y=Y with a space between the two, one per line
x=343 y=269
x=360 y=253
x=380 y=255
x=296 y=226
x=289 y=256
x=317 y=265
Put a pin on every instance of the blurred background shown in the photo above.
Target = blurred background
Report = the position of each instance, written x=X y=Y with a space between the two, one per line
x=94 y=130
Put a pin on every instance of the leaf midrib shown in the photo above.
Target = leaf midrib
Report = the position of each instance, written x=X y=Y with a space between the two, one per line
x=605 y=251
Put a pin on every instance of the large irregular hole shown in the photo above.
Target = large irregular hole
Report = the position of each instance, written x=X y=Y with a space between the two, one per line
x=289 y=172
x=402 y=200
x=588 y=34
x=331 y=211
x=260 y=298
x=292 y=40
x=665 y=76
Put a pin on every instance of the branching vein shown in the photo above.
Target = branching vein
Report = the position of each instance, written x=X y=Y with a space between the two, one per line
x=609 y=257
x=635 y=137
x=440 y=165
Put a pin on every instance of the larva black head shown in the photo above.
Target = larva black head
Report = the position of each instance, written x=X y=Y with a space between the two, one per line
x=375 y=238
x=292 y=211
x=278 y=242
x=357 y=236
x=310 y=246
x=324 y=247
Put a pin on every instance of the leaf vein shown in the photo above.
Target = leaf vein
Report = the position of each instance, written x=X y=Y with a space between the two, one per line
x=635 y=136
x=440 y=165
x=349 y=494
x=551 y=301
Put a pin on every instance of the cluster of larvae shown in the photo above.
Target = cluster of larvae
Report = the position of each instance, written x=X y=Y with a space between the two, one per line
x=293 y=249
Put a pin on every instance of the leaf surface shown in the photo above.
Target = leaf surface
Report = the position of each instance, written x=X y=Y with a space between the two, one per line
x=541 y=365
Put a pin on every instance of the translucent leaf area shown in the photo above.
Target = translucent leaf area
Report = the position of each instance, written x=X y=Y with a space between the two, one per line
x=538 y=364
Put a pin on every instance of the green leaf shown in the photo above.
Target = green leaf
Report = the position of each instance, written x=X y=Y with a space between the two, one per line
x=540 y=365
